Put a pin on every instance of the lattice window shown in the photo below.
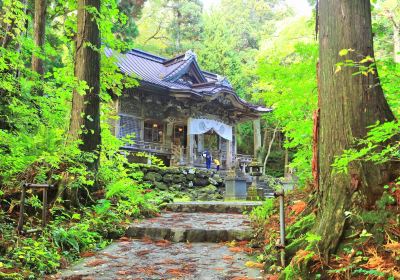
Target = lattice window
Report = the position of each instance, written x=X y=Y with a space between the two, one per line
x=129 y=125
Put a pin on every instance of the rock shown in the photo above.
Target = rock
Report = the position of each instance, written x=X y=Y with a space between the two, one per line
x=200 y=182
x=190 y=177
x=168 y=178
x=153 y=168
x=174 y=170
x=201 y=174
x=212 y=181
x=210 y=189
x=160 y=186
x=152 y=177
x=192 y=171
x=179 y=178
x=218 y=178
x=177 y=187
x=143 y=169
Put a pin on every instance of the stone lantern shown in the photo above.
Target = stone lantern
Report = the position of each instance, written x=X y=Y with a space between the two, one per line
x=255 y=171
x=235 y=184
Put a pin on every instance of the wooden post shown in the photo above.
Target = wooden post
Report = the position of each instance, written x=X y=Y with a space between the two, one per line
x=228 y=154
x=44 y=210
x=189 y=145
x=21 y=210
x=25 y=186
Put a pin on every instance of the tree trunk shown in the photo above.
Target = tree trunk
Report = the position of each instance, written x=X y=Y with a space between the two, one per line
x=39 y=30
x=257 y=136
x=85 y=115
x=396 y=42
x=269 y=150
x=348 y=104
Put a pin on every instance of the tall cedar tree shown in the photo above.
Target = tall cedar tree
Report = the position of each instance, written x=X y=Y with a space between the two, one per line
x=85 y=115
x=348 y=105
x=39 y=29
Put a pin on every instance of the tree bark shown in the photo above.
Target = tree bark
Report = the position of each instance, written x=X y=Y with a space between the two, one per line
x=39 y=29
x=257 y=136
x=348 y=104
x=269 y=150
x=396 y=42
x=85 y=115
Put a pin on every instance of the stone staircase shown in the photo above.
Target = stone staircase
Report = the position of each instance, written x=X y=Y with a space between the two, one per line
x=197 y=222
x=196 y=230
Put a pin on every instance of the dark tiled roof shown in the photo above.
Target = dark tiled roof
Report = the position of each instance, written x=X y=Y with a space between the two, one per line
x=164 y=72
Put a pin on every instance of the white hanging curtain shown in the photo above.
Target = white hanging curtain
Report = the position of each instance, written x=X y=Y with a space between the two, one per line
x=201 y=126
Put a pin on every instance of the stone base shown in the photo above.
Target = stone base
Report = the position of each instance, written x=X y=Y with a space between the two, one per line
x=235 y=189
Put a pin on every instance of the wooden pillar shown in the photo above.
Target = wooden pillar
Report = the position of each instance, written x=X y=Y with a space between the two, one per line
x=257 y=136
x=200 y=143
x=189 y=147
x=141 y=136
x=228 y=154
x=169 y=133
x=234 y=142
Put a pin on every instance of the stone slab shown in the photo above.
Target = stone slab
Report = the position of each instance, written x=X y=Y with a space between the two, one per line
x=213 y=206
x=193 y=227
x=138 y=259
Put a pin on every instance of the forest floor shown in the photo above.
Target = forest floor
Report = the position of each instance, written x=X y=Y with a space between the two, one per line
x=176 y=245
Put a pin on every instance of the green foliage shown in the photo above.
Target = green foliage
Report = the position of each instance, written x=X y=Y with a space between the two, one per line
x=260 y=214
x=300 y=227
x=36 y=255
x=287 y=83
x=373 y=147
x=77 y=238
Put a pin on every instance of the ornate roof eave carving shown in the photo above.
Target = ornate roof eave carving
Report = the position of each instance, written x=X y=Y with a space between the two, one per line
x=241 y=109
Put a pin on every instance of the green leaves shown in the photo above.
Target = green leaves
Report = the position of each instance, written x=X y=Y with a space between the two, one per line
x=373 y=147
x=343 y=52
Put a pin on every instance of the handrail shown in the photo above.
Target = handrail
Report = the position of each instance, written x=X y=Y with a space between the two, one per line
x=150 y=146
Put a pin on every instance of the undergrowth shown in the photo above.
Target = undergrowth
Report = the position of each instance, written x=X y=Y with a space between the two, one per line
x=369 y=249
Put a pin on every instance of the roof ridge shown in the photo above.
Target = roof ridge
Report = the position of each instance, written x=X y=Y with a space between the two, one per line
x=173 y=60
x=147 y=55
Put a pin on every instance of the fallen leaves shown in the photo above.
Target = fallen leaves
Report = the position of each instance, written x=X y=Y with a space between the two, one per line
x=393 y=246
x=142 y=253
x=87 y=254
x=186 y=269
x=213 y=223
x=108 y=255
x=162 y=243
x=96 y=262
x=298 y=207
x=124 y=239
x=244 y=249
x=123 y=272
x=254 y=264
x=227 y=257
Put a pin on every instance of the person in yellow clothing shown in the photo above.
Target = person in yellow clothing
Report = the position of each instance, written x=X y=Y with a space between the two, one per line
x=217 y=163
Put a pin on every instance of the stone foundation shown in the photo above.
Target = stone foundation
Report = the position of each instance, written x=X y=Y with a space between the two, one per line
x=199 y=184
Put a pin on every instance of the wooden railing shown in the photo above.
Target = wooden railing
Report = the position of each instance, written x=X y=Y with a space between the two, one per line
x=150 y=147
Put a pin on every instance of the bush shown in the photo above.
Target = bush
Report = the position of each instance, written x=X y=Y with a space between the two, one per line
x=260 y=214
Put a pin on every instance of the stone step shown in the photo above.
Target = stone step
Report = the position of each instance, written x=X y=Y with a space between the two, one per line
x=213 y=206
x=193 y=227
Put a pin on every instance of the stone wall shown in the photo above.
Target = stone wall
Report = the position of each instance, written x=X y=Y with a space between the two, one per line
x=197 y=183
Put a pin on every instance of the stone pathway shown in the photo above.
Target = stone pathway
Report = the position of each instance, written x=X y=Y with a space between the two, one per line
x=197 y=250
